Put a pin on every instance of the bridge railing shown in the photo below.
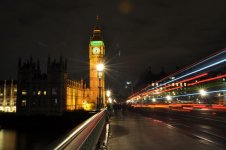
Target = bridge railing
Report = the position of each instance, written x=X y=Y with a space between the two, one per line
x=85 y=136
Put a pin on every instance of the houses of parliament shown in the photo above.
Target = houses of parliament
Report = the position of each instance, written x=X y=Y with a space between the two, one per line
x=53 y=92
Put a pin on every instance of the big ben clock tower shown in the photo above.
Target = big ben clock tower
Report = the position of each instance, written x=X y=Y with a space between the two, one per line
x=96 y=56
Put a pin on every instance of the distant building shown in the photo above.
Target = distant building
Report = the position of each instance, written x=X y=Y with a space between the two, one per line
x=51 y=93
x=8 y=93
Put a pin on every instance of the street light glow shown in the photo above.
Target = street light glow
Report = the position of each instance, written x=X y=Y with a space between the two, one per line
x=108 y=93
x=168 y=97
x=202 y=92
x=100 y=67
x=109 y=100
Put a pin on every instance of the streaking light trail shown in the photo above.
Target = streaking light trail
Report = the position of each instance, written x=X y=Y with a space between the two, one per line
x=189 y=79
x=206 y=80
x=214 y=64
x=182 y=70
x=191 y=94
x=192 y=72
x=210 y=92
x=195 y=64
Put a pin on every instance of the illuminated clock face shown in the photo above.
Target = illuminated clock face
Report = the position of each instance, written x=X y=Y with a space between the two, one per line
x=96 y=50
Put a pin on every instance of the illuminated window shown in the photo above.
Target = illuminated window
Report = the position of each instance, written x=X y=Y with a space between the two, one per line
x=44 y=92
x=7 y=109
x=24 y=103
x=24 y=92
x=39 y=92
x=14 y=109
x=128 y=82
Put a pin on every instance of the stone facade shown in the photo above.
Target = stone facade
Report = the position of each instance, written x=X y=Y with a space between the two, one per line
x=51 y=93
x=8 y=93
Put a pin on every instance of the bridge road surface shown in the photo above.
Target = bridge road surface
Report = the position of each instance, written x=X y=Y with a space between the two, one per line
x=131 y=131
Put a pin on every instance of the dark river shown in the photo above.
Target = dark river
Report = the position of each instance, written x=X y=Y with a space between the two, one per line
x=36 y=132
x=28 y=139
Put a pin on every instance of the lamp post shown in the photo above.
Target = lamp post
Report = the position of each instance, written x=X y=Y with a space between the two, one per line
x=108 y=93
x=100 y=69
x=203 y=94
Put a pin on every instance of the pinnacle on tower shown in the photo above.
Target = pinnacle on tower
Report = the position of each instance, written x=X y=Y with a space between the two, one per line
x=97 y=25
x=97 y=31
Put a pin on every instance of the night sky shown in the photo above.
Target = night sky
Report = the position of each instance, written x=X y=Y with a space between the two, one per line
x=137 y=33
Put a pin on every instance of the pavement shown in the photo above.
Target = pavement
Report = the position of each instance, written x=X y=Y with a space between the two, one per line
x=131 y=131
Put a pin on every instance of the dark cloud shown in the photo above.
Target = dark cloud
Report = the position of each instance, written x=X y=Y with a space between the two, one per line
x=148 y=32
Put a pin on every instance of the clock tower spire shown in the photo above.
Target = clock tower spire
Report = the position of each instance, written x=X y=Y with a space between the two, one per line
x=97 y=31
x=96 y=56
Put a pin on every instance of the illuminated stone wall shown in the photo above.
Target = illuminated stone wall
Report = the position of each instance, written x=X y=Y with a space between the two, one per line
x=8 y=94
x=77 y=95
x=96 y=56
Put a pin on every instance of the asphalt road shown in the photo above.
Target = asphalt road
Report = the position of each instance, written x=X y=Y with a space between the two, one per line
x=198 y=124
x=144 y=130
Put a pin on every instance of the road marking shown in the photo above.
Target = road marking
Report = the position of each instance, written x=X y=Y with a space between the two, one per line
x=205 y=139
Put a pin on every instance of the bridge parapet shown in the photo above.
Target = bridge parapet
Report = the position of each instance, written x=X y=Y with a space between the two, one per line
x=85 y=136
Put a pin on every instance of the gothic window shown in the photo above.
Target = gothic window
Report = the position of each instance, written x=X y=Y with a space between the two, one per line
x=39 y=93
x=7 y=109
x=14 y=109
x=24 y=92
x=24 y=103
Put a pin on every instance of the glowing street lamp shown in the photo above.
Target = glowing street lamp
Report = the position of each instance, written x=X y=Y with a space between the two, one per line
x=109 y=100
x=168 y=97
x=202 y=92
x=100 y=69
x=108 y=93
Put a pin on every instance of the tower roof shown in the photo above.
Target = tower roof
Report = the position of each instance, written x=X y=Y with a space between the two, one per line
x=97 y=31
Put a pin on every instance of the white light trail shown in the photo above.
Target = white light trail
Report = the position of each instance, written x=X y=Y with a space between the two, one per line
x=214 y=64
